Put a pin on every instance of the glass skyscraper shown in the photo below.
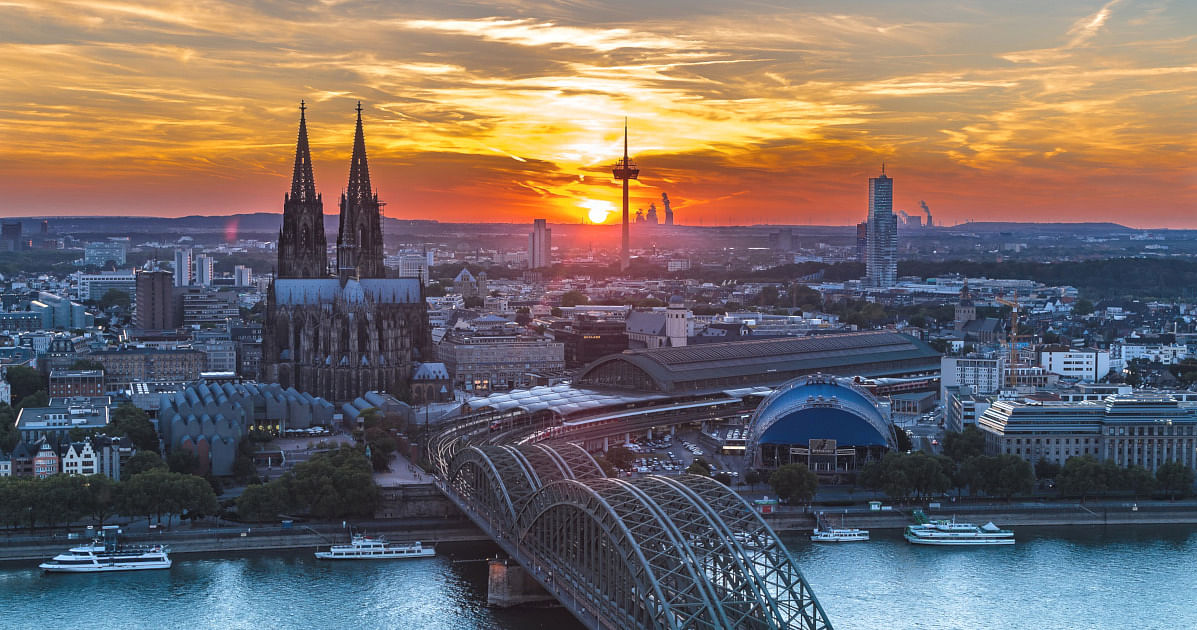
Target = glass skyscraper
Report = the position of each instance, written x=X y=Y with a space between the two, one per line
x=881 y=261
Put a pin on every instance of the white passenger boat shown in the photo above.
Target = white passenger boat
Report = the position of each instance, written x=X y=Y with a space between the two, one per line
x=839 y=534
x=825 y=532
x=107 y=554
x=951 y=533
x=371 y=548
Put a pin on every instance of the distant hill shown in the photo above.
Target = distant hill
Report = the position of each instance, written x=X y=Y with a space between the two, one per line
x=1041 y=228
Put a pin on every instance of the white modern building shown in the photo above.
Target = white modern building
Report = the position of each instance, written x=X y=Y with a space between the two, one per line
x=982 y=375
x=1085 y=364
x=93 y=286
x=1168 y=354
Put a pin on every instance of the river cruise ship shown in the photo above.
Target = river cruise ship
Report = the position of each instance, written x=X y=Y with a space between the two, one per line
x=840 y=534
x=951 y=533
x=373 y=548
x=105 y=553
x=825 y=532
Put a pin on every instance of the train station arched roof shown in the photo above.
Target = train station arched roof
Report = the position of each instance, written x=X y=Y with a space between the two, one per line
x=760 y=363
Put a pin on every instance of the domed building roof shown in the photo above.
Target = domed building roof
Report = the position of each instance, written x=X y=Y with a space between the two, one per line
x=819 y=406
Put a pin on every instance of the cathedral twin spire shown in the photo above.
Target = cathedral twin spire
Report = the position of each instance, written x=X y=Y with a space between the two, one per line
x=302 y=248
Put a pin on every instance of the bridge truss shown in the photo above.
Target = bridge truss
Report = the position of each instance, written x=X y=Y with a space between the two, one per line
x=655 y=552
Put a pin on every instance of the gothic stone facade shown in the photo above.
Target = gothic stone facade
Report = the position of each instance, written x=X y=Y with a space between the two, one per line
x=339 y=341
x=339 y=337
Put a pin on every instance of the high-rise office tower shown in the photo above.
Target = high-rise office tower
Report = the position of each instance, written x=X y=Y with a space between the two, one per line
x=540 y=245
x=204 y=270
x=183 y=267
x=154 y=308
x=881 y=265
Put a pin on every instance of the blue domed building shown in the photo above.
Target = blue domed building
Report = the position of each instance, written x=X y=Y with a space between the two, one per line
x=826 y=423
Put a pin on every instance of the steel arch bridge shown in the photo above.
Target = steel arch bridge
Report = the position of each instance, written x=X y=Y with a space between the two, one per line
x=651 y=552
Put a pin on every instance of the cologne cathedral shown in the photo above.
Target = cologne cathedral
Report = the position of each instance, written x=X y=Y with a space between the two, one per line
x=339 y=332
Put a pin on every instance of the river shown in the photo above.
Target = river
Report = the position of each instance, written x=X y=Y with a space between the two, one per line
x=1140 y=577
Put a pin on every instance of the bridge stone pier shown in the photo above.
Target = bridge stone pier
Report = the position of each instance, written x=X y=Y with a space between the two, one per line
x=651 y=552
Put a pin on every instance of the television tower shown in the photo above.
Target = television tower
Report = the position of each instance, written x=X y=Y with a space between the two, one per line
x=625 y=170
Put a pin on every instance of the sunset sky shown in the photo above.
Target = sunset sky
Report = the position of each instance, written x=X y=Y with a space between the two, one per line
x=743 y=112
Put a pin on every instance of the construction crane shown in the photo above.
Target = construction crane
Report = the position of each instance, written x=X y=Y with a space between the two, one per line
x=1013 y=338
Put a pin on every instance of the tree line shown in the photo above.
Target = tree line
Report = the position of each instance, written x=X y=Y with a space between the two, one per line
x=334 y=485
x=966 y=468
x=64 y=499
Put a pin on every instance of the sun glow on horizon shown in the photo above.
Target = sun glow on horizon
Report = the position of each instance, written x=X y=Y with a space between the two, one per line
x=597 y=210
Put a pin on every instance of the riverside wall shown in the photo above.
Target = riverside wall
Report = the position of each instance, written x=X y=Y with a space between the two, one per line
x=1037 y=514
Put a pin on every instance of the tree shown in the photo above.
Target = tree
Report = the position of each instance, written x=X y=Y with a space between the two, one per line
x=264 y=502
x=142 y=461
x=620 y=456
x=901 y=438
x=24 y=381
x=474 y=302
x=102 y=497
x=9 y=436
x=1082 y=308
x=698 y=467
x=1175 y=479
x=161 y=493
x=574 y=298
x=1138 y=480
x=336 y=484
x=902 y=475
x=1045 y=469
x=115 y=297
x=794 y=483
x=37 y=399
x=131 y=422
x=965 y=444
x=523 y=316
x=1083 y=476
x=182 y=461
x=1014 y=475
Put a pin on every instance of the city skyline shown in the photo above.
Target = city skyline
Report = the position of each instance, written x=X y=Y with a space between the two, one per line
x=748 y=114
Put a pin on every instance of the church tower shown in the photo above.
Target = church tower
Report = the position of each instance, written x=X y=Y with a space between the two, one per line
x=966 y=309
x=359 y=241
x=302 y=248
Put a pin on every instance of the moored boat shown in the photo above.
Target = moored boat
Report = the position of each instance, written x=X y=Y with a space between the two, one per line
x=951 y=533
x=375 y=548
x=106 y=553
x=839 y=534
x=824 y=532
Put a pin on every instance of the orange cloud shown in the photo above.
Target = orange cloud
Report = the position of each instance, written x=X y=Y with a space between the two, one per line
x=164 y=107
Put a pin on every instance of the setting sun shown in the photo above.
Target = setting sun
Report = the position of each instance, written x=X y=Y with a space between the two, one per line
x=597 y=209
